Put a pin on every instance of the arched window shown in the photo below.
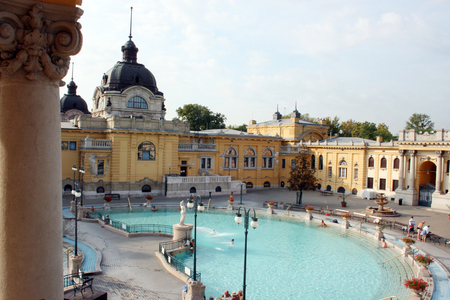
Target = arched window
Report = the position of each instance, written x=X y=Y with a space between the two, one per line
x=354 y=191
x=192 y=190
x=231 y=158
x=137 y=102
x=343 y=169
x=267 y=159
x=100 y=190
x=250 y=158
x=266 y=184
x=396 y=164
x=146 y=189
x=249 y=185
x=371 y=162
x=67 y=188
x=320 y=162
x=328 y=187
x=282 y=184
x=313 y=161
x=383 y=163
x=319 y=186
x=341 y=190
x=218 y=189
x=146 y=151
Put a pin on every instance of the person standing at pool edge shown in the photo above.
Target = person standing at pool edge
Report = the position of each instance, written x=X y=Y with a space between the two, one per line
x=412 y=223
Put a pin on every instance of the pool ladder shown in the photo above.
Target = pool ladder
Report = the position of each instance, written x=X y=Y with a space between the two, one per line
x=360 y=227
x=287 y=210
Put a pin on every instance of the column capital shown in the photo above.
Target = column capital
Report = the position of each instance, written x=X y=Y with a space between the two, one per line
x=412 y=152
x=39 y=39
x=439 y=153
x=401 y=152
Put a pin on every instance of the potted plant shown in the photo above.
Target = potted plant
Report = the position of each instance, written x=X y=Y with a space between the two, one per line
x=309 y=208
x=149 y=200
x=270 y=203
x=424 y=260
x=346 y=216
x=343 y=197
x=408 y=241
x=190 y=199
x=107 y=198
x=416 y=285
x=230 y=200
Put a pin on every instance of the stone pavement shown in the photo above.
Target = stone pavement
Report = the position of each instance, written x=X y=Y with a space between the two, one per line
x=131 y=270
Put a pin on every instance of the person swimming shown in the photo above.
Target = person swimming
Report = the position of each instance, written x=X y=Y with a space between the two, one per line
x=230 y=243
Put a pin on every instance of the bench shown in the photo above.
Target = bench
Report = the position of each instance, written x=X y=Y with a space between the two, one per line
x=326 y=193
x=341 y=212
x=317 y=210
x=327 y=211
x=435 y=238
x=81 y=284
x=400 y=226
x=359 y=216
x=113 y=196
x=297 y=207
x=266 y=204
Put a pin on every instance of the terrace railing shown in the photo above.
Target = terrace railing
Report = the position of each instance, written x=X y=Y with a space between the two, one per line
x=193 y=147
x=165 y=249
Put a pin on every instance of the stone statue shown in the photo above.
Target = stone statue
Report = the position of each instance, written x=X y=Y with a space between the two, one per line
x=182 y=212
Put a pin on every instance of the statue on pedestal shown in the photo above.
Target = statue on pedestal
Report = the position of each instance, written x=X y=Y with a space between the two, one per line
x=182 y=212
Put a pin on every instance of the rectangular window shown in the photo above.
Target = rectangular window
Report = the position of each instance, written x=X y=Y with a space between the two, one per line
x=184 y=162
x=342 y=172
x=292 y=164
x=369 y=182
x=100 y=167
x=206 y=163
x=394 y=184
x=382 y=184
x=330 y=171
x=356 y=173
x=283 y=163
x=64 y=145
x=72 y=145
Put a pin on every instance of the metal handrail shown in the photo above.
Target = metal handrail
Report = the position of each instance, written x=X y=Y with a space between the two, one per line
x=164 y=249
x=129 y=204
x=412 y=250
x=287 y=210
x=352 y=227
x=390 y=298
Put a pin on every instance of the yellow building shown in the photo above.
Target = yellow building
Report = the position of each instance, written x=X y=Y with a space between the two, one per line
x=127 y=147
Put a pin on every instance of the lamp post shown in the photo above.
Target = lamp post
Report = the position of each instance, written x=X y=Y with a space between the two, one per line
x=199 y=208
x=74 y=168
x=254 y=223
x=77 y=195
x=240 y=201
x=82 y=184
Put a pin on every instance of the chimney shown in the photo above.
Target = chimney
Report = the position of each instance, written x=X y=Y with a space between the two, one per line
x=252 y=122
x=379 y=139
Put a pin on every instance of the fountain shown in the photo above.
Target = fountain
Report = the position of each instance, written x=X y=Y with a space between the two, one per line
x=381 y=210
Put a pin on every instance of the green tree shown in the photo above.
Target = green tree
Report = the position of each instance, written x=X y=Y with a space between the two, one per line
x=350 y=128
x=200 y=117
x=383 y=131
x=307 y=118
x=333 y=125
x=301 y=176
x=420 y=122
x=367 y=130
x=242 y=127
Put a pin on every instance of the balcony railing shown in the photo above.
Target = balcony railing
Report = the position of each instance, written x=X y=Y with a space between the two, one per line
x=196 y=147
x=90 y=144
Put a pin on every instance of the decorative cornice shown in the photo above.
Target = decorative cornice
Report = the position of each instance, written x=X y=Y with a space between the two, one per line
x=37 y=44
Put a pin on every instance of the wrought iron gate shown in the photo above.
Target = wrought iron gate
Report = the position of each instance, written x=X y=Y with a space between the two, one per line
x=426 y=194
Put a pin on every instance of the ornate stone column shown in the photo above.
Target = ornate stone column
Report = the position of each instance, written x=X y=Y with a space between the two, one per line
x=36 y=41
x=401 y=173
x=439 y=172
x=412 y=170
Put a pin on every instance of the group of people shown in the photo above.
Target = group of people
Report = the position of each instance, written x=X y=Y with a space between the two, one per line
x=233 y=296
x=423 y=231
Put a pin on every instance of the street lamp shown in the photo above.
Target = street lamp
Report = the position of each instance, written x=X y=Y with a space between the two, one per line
x=254 y=223
x=74 y=168
x=82 y=183
x=77 y=195
x=200 y=208
x=240 y=201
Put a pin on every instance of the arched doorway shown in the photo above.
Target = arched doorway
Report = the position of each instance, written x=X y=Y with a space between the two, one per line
x=282 y=184
x=341 y=190
x=427 y=180
x=192 y=190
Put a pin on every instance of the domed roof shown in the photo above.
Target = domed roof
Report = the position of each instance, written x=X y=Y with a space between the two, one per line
x=128 y=73
x=72 y=101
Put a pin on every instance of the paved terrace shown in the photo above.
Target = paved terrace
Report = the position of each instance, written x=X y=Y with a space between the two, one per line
x=131 y=270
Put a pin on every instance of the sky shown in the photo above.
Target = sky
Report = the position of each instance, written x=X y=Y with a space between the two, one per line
x=377 y=61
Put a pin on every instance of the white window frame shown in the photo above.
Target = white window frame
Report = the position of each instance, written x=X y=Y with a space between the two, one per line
x=206 y=163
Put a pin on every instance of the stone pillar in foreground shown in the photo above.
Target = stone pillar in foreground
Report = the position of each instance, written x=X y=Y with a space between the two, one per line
x=36 y=42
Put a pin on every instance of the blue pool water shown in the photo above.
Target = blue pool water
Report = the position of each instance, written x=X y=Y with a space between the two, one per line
x=287 y=259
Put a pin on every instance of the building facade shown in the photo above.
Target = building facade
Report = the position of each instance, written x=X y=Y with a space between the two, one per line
x=126 y=147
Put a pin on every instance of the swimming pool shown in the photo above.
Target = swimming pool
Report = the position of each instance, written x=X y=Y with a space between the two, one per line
x=289 y=259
